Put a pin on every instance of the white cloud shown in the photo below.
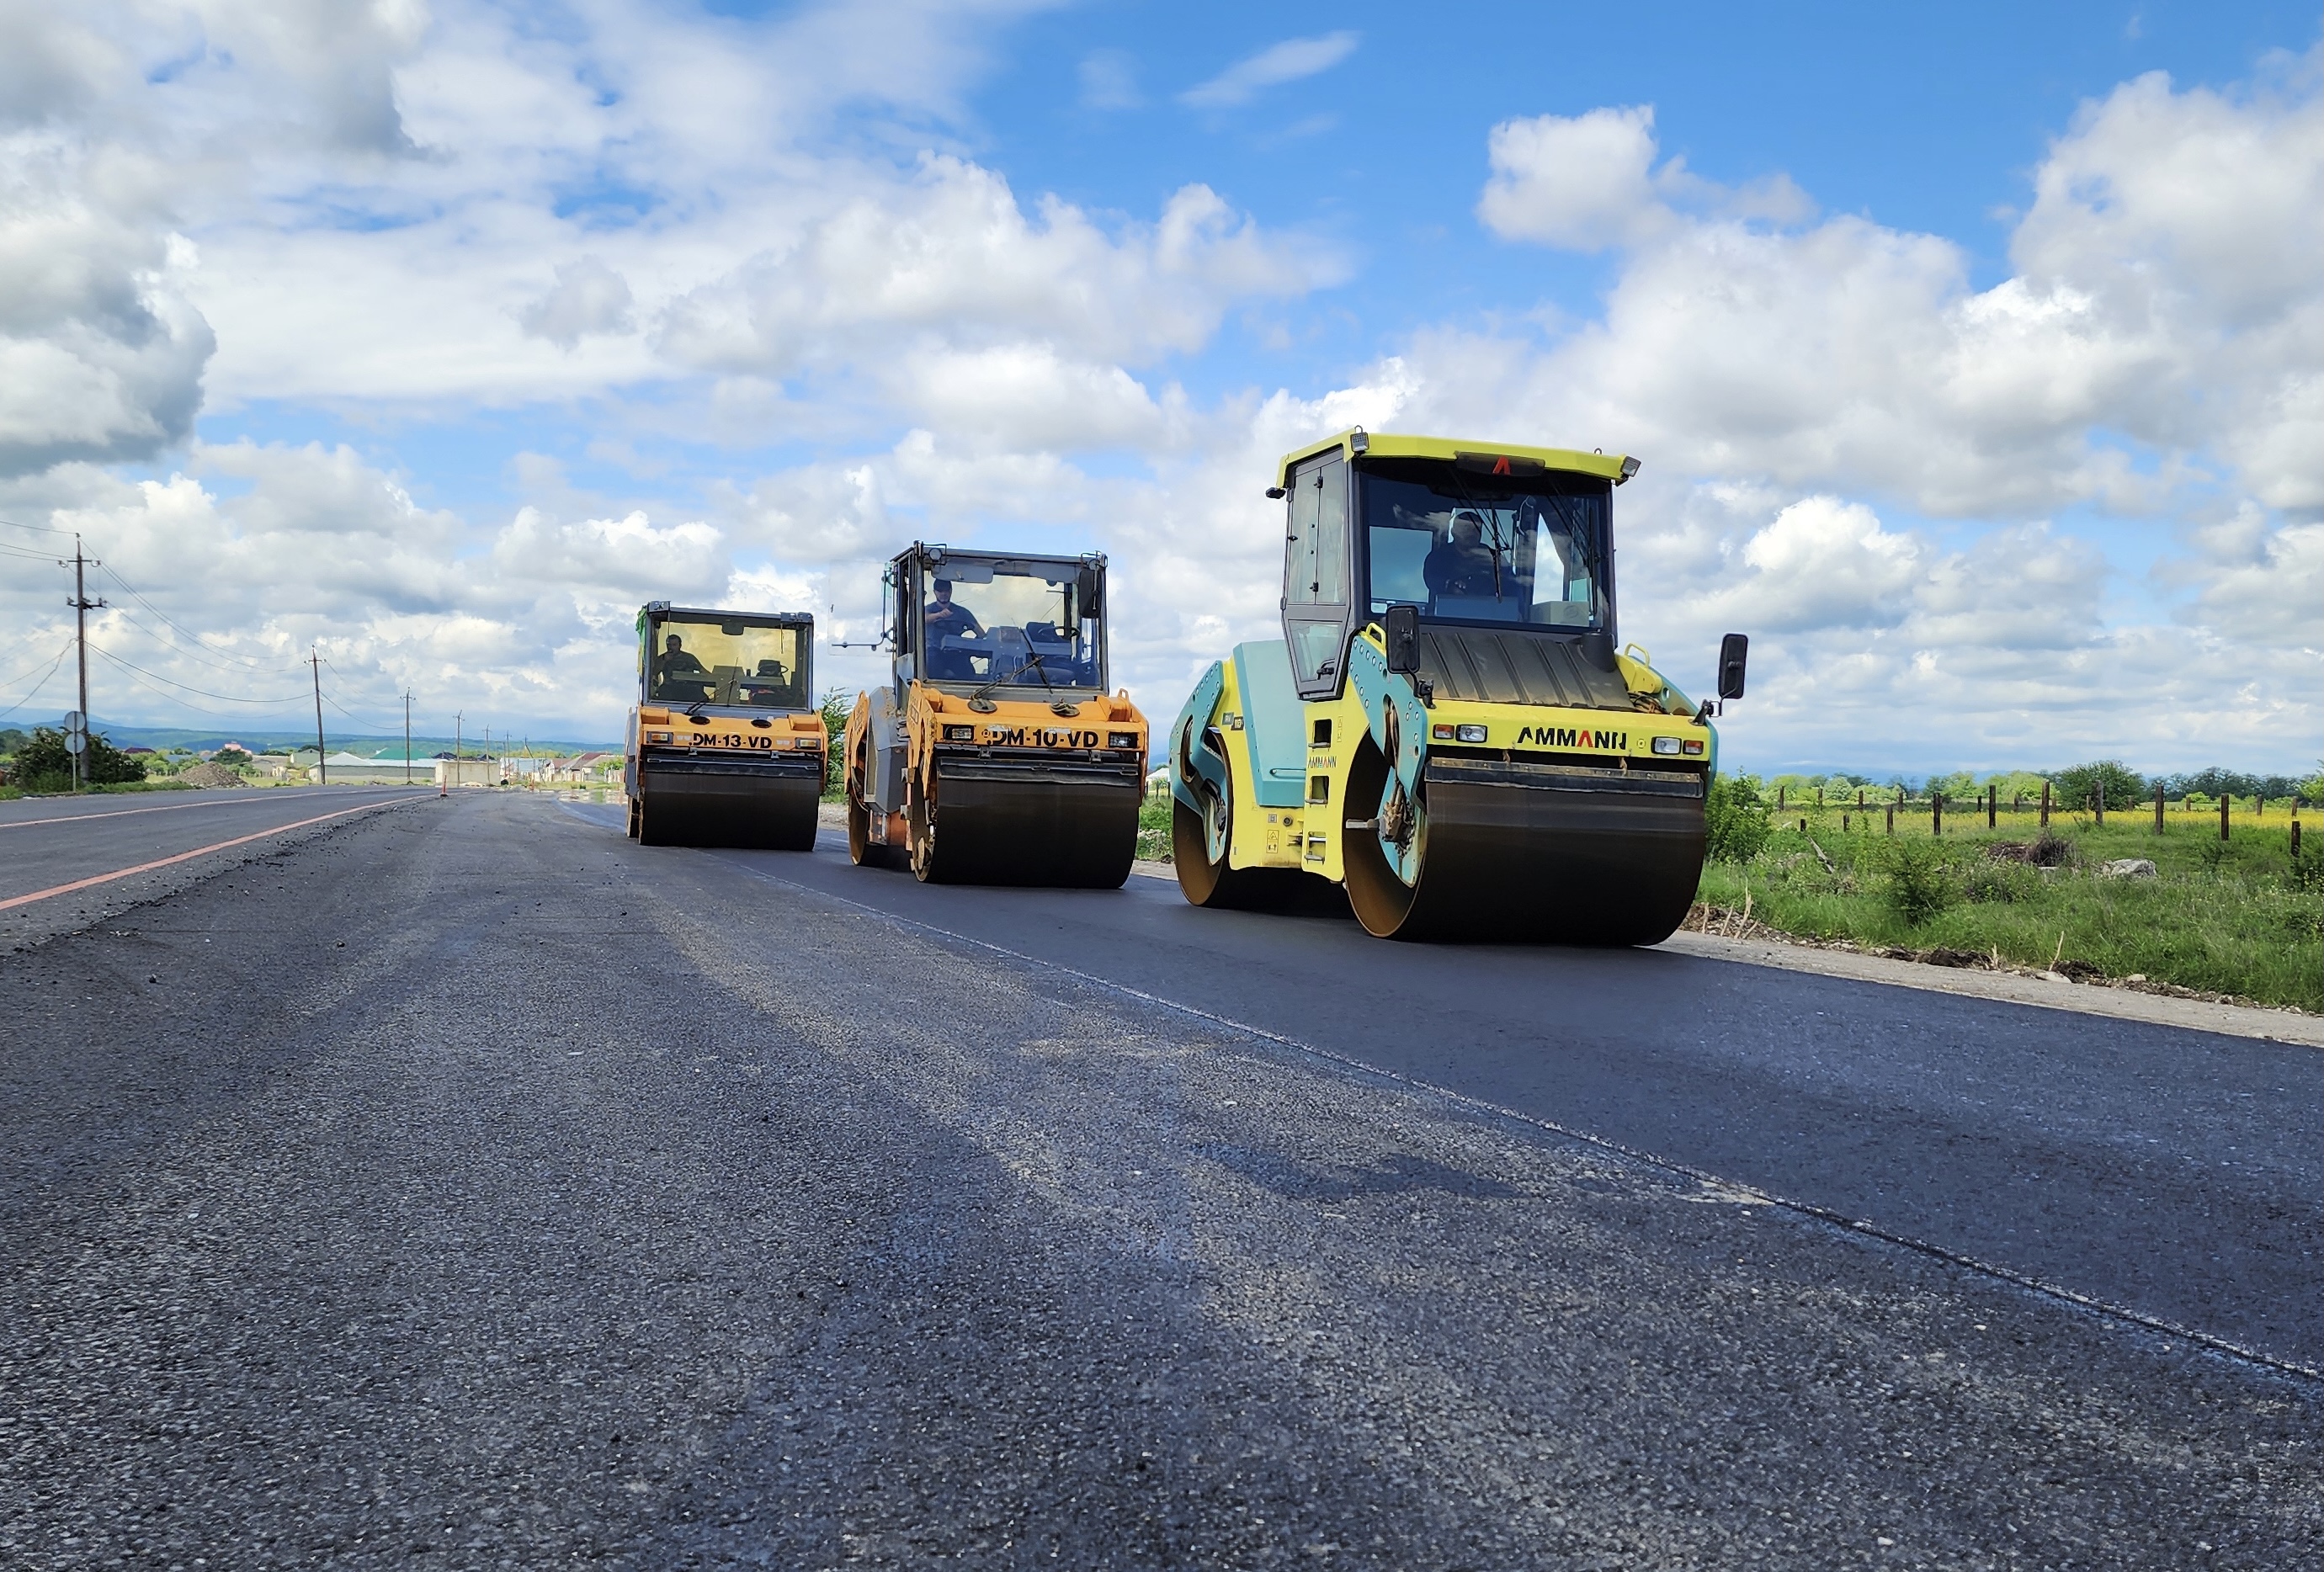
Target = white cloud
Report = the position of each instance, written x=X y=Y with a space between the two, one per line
x=952 y=257
x=1584 y=182
x=1288 y=62
x=588 y=297
x=2166 y=294
x=101 y=355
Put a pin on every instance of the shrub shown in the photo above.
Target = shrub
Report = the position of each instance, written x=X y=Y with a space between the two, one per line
x=1735 y=822
x=1999 y=881
x=1920 y=885
x=43 y=765
x=2076 y=790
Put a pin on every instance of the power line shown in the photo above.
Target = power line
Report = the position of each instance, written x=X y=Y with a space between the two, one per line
x=43 y=528
x=29 y=670
x=132 y=590
x=178 y=699
x=37 y=686
x=222 y=698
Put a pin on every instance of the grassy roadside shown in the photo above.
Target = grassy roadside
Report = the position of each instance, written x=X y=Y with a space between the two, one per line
x=1154 y=826
x=2237 y=917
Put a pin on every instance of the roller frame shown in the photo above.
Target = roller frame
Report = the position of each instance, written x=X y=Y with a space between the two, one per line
x=1605 y=850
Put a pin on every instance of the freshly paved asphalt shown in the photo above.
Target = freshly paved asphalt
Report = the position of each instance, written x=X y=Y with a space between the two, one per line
x=46 y=842
x=2026 y=1138
x=462 y=1184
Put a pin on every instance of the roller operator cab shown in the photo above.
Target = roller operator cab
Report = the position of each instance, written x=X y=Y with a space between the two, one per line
x=725 y=746
x=995 y=754
x=1449 y=727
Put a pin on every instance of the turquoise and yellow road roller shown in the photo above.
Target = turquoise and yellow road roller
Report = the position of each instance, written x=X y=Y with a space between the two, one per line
x=1449 y=728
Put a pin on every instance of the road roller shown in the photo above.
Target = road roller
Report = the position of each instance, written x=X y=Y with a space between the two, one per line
x=725 y=747
x=1449 y=728
x=994 y=754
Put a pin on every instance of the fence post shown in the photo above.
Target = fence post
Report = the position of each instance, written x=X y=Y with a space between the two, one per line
x=1992 y=806
x=2224 y=800
x=1936 y=812
x=2158 y=810
x=1859 y=799
x=2295 y=840
x=1891 y=818
x=2099 y=800
x=1779 y=799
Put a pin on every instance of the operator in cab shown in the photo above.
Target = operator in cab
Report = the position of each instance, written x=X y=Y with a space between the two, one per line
x=1462 y=564
x=946 y=617
x=676 y=662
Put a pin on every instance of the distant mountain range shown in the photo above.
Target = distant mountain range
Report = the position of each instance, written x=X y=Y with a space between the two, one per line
x=159 y=737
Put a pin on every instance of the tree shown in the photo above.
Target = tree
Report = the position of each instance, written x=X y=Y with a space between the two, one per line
x=43 y=765
x=837 y=704
x=232 y=758
x=2076 y=790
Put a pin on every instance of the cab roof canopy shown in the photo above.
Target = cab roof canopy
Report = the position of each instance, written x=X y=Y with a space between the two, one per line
x=655 y=609
x=933 y=552
x=1356 y=442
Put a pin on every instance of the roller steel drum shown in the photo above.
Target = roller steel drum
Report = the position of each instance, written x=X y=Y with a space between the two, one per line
x=1529 y=853
x=1040 y=821
x=755 y=800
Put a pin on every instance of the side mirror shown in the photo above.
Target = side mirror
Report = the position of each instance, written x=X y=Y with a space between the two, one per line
x=1733 y=651
x=1088 y=592
x=1402 y=626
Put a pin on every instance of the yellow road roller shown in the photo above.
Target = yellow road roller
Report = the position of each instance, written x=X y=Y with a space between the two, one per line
x=725 y=746
x=994 y=755
x=1449 y=728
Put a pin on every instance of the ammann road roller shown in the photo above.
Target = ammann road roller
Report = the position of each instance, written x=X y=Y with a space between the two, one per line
x=1449 y=728
x=995 y=754
x=725 y=747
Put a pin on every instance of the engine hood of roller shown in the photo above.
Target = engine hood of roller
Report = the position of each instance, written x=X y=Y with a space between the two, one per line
x=1502 y=666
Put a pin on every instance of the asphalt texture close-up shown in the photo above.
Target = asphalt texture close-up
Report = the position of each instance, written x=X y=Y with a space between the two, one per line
x=457 y=1183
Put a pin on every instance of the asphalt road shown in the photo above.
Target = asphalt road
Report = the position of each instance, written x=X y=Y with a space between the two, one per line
x=47 y=842
x=463 y=1185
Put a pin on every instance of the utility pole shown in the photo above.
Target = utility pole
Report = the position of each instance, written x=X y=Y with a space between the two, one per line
x=407 y=736
x=82 y=606
x=322 y=765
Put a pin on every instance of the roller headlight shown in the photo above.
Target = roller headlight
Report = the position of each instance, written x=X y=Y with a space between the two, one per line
x=1122 y=740
x=1666 y=745
x=960 y=733
x=1468 y=733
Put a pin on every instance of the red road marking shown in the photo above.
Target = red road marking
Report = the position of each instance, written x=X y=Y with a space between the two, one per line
x=66 y=889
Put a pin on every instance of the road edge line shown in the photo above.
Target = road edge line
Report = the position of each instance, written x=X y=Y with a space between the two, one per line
x=1860 y=1226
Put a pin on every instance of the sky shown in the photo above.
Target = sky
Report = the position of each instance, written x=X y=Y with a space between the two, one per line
x=1974 y=355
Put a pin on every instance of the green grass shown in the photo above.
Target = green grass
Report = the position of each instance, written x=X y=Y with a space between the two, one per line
x=1154 y=826
x=2236 y=917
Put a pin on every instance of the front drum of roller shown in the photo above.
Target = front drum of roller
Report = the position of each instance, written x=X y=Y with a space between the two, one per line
x=1526 y=853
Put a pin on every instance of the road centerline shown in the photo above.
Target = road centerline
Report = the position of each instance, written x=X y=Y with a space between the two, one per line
x=95 y=879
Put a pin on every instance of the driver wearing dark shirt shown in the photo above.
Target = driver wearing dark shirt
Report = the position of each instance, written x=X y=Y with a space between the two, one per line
x=675 y=661
x=943 y=615
x=1462 y=564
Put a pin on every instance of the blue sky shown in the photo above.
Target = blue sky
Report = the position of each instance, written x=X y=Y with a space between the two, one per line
x=503 y=318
